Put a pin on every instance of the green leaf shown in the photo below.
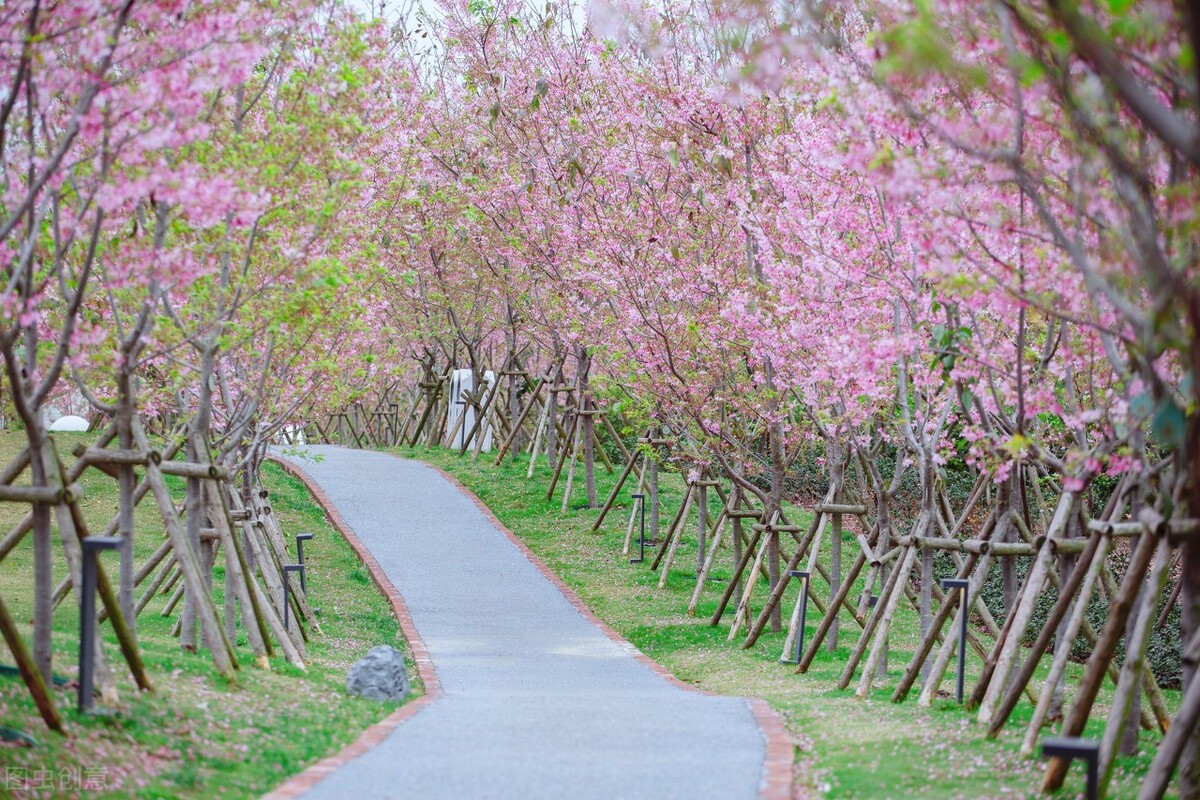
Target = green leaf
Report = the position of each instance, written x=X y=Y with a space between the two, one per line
x=1169 y=424
x=1141 y=406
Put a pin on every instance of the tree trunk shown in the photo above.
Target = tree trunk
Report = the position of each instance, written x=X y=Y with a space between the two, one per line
x=126 y=501
x=773 y=506
x=43 y=561
x=588 y=423
x=655 y=510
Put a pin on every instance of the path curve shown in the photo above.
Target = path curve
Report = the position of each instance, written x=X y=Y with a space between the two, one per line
x=532 y=696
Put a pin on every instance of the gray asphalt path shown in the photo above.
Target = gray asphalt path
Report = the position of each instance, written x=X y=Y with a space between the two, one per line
x=538 y=702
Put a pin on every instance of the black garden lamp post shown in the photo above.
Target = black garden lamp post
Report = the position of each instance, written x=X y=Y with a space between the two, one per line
x=301 y=538
x=1071 y=748
x=960 y=586
x=288 y=569
x=92 y=545
x=641 y=501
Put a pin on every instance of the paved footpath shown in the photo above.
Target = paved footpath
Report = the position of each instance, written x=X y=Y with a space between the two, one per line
x=536 y=700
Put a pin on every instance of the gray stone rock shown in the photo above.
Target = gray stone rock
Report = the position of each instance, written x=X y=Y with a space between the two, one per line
x=379 y=676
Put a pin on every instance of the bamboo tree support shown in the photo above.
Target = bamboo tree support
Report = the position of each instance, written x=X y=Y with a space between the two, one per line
x=69 y=535
x=562 y=458
x=536 y=446
x=743 y=607
x=1058 y=666
x=616 y=438
x=676 y=535
x=270 y=554
x=675 y=522
x=735 y=580
x=240 y=578
x=1022 y=612
x=1181 y=733
x=706 y=570
x=1135 y=663
x=575 y=449
x=73 y=529
x=808 y=545
x=941 y=662
x=452 y=434
x=835 y=572
x=977 y=574
x=1095 y=670
x=1068 y=594
x=169 y=569
x=879 y=649
x=269 y=606
x=554 y=425
x=886 y=595
x=163 y=553
x=485 y=395
x=833 y=609
x=616 y=490
x=303 y=609
x=945 y=612
x=30 y=674
x=175 y=597
x=493 y=419
x=793 y=626
x=1172 y=599
x=222 y=651
x=432 y=389
x=516 y=429
x=271 y=601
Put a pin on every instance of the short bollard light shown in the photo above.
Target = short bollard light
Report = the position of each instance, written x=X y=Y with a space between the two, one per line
x=288 y=569
x=92 y=545
x=1071 y=748
x=960 y=585
x=803 y=576
x=641 y=500
x=301 y=538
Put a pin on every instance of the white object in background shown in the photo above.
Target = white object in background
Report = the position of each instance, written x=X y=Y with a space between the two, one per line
x=292 y=434
x=463 y=381
x=69 y=423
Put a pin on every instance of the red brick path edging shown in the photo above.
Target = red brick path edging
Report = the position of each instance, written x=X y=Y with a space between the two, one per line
x=779 y=758
x=299 y=784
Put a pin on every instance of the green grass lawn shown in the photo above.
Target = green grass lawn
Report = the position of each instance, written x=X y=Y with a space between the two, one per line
x=845 y=746
x=195 y=735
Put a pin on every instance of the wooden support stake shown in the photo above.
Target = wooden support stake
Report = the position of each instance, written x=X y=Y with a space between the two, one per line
x=512 y=435
x=1020 y=615
x=222 y=651
x=743 y=607
x=30 y=674
x=1066 y=596
x=942 y=661
x=1094 y=672
x=616 y=490
x=879 y=649
x=670 y=537
x=735 y=580
x=877 y=613
x=1135 y=663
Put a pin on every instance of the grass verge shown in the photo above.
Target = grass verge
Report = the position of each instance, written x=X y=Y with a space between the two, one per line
x=846 y=748
x=195 y=735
